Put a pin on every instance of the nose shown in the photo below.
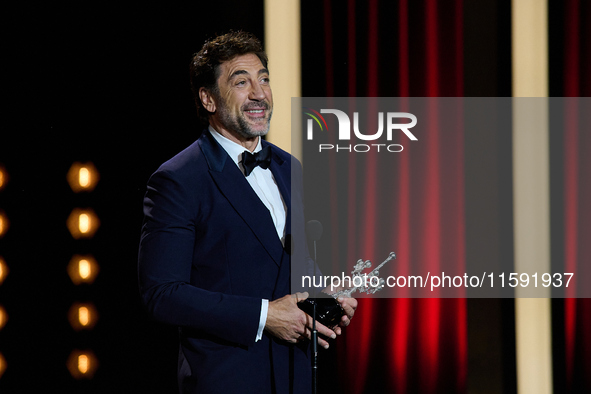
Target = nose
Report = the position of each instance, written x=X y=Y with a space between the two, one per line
x=257 y=92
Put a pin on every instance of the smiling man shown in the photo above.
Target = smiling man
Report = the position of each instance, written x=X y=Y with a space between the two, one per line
x=217 y=243
x=244 y=100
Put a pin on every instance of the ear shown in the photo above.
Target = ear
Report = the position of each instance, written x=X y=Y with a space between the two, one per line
x=207 y=99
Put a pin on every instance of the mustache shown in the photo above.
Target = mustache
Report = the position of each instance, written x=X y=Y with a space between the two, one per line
x=256 y=105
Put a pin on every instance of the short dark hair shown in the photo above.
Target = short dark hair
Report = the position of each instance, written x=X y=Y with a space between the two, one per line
x=204 y=70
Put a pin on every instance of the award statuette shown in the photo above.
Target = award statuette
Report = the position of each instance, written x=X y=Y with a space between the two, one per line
x=328 y=310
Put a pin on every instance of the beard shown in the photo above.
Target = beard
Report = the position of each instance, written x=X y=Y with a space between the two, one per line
x=240 y=124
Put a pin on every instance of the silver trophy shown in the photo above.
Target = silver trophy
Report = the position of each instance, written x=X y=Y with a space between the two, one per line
x=328 y=310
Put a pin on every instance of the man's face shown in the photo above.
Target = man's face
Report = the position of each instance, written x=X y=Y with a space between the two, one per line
x=244 y=101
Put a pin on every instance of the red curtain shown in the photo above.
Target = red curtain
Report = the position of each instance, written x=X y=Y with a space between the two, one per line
x=410 y=48
x=402 y=49
x=576 y=191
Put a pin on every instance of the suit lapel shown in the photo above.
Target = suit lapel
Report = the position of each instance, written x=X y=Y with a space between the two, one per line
x=234 y=186
x=281 y=170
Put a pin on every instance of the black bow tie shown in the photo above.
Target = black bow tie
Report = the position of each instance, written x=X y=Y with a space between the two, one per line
x=261 y=158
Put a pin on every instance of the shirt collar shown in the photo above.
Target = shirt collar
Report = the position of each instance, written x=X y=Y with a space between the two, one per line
x=232 y=148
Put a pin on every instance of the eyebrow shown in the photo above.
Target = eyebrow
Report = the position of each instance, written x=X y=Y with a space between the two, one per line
x=240 y=72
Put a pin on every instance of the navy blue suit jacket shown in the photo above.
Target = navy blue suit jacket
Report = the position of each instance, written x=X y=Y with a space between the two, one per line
x=209 y=253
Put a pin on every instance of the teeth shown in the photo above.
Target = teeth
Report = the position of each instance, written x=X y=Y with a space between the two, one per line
x=256 y=111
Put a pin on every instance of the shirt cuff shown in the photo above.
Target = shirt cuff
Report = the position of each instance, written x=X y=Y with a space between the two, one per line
x=263 y=319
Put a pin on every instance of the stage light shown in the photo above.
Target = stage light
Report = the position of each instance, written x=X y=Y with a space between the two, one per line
x=83 y=177
x=3 y=317
x=3 y=177
x=83 y=223
x=2 y=365
x=82 y=316
x=3 y=224
x=3 y=270
x=83 y=269
x=82 y=364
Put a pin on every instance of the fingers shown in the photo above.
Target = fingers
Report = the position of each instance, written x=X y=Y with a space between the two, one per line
x=349 y=305
x=299 y=297
x=345 y=321
x=303 y=336
x=285 y=320
x=322 y=329
x=293 y=325
x=327 y=332
x=323 y=343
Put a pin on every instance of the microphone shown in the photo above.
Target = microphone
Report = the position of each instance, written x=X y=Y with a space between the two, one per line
x=314 y=232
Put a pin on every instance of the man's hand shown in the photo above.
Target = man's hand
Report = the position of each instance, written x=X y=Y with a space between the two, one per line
x=349 y=305
x=288 y=322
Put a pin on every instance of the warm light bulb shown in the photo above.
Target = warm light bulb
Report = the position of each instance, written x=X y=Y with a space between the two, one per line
x=3 y=317
x=83 y=316
x=3 y=270
x=84 y=269
x=3 y=177
x=2 y=365
x=3 y=224
x=83 y=363
x=83 y=223
x=84 y=177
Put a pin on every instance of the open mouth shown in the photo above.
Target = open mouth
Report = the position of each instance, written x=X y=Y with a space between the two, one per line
x=255 y=112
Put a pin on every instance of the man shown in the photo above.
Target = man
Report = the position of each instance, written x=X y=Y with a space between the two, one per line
x=217 y=245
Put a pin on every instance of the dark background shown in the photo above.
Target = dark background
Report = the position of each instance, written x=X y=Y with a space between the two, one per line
x=107 y=84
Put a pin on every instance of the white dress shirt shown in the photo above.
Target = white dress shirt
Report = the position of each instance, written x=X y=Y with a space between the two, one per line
x=262 y=182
